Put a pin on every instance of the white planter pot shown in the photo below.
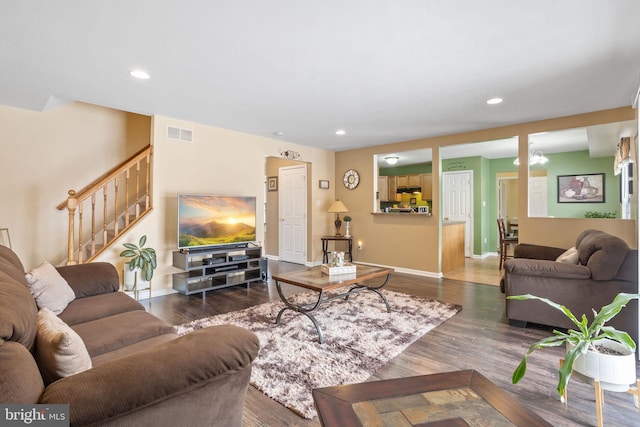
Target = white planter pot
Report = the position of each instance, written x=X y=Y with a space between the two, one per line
x=615 y=372
x=131 y=276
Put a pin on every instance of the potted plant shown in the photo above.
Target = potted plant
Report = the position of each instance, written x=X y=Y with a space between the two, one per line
x=347 y=225
x=590 y=341
x=138 y=270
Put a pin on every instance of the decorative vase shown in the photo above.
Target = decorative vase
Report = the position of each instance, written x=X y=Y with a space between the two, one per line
x=614 y=371
x=133 y=279
x=347 y=228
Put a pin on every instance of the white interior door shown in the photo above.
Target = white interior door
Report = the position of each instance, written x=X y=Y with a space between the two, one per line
x=292 y=203
x=457 y=190
x=537 y=196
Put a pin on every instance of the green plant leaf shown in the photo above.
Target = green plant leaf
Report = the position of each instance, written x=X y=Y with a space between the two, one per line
x=609 y=311
x=559 y=307
x=143 y=240
x=619 y=336
x=520 y=370
x=130 y=246
x=567 y=367
x=145 y=256
x=127 y=253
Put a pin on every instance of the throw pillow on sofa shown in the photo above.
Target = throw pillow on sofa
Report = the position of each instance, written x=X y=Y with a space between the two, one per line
x=49 y=288
x=59 y=349
x=570 y=256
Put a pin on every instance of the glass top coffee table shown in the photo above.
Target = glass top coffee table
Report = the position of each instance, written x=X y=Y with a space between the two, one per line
x=316 y=280
x=461 y=398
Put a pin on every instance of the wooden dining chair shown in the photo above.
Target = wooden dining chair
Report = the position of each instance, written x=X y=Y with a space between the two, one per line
x=505 y=241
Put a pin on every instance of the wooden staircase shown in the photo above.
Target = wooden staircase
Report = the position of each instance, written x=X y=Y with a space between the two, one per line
x=108 y=207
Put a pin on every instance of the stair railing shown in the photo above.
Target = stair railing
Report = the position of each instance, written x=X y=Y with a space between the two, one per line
x=112 y=211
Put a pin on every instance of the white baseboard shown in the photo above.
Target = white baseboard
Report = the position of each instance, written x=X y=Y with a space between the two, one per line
x=407 y=270
x=485 y=255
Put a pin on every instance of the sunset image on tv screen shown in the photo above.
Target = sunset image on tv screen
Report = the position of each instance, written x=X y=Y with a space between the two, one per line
x=205 y=220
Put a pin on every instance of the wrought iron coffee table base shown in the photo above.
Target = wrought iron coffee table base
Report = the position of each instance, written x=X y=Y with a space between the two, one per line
x=306 y=309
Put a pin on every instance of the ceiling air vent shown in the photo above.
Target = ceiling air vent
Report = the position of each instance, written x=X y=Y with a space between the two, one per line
x=179 y=134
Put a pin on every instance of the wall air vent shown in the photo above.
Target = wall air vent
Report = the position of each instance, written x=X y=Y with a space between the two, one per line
x=179 y=134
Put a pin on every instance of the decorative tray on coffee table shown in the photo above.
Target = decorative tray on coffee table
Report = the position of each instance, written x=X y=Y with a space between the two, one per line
x=347 y=268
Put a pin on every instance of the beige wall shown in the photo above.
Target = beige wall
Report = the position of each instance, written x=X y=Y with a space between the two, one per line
x=412 y=243
x=218 y=161
x=44 y=155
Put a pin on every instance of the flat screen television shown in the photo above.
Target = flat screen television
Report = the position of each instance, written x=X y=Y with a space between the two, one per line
x=212 y=220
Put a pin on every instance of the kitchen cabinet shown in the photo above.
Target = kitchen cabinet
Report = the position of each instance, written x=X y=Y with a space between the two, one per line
x=392 y=185
x=415 y=180
x=403 y=181
x=426 y=182
x=383 y=188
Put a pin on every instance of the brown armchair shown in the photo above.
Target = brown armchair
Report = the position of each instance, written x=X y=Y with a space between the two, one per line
x=604 y=266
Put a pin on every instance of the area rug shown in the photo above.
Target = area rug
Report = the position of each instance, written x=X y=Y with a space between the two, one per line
x=360 y=337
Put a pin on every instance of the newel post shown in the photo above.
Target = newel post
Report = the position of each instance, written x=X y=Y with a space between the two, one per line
x=72 y=203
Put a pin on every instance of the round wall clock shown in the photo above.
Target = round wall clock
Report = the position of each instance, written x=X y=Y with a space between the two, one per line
x=351 y=179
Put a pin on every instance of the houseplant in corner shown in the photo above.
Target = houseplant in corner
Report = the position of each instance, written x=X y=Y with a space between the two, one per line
x=138 y=270
x=588 y=342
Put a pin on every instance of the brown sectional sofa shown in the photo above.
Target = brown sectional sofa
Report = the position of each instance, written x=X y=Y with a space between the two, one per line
x=605 y=266
x=142 y=374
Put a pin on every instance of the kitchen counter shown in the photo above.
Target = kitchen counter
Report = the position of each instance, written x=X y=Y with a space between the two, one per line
x=401 y=213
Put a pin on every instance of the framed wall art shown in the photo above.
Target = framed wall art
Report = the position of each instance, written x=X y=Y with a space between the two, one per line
x=324 y=184
x=272 y=183
x=587 y=188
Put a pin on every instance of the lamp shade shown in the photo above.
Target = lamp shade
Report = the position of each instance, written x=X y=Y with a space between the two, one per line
x=337 y=207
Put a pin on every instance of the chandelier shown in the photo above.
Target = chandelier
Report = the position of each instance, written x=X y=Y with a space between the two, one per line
x=536 y=157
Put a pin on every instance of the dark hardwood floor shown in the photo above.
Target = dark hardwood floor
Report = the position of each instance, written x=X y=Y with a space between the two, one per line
x=479 y=337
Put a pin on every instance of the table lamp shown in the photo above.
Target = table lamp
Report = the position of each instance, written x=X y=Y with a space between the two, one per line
x=337 y=207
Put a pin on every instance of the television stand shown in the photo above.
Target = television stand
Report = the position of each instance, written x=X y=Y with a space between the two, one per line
x=208 y=269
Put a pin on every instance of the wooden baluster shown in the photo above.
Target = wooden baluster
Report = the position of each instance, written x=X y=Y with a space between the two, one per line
x=148 y=184
x=116 y=225
x=105 y=202
x=126 y=198
x=80 y=245
x=93 y=224
x=71 y=207
x=137 y=188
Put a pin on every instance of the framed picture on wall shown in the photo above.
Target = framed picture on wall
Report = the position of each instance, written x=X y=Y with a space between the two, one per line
x=272 y=183
x=324 y=184
x=588 y=188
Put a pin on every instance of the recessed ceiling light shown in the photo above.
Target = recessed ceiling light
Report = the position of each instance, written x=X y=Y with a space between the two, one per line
x=139 y=74
x=494 y=101
x=278 y=133
x=341 y=132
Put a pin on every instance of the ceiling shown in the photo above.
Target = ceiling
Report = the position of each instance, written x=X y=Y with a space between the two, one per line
x=382 y=70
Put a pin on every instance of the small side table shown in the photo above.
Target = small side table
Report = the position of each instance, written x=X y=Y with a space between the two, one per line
x=325 y=246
